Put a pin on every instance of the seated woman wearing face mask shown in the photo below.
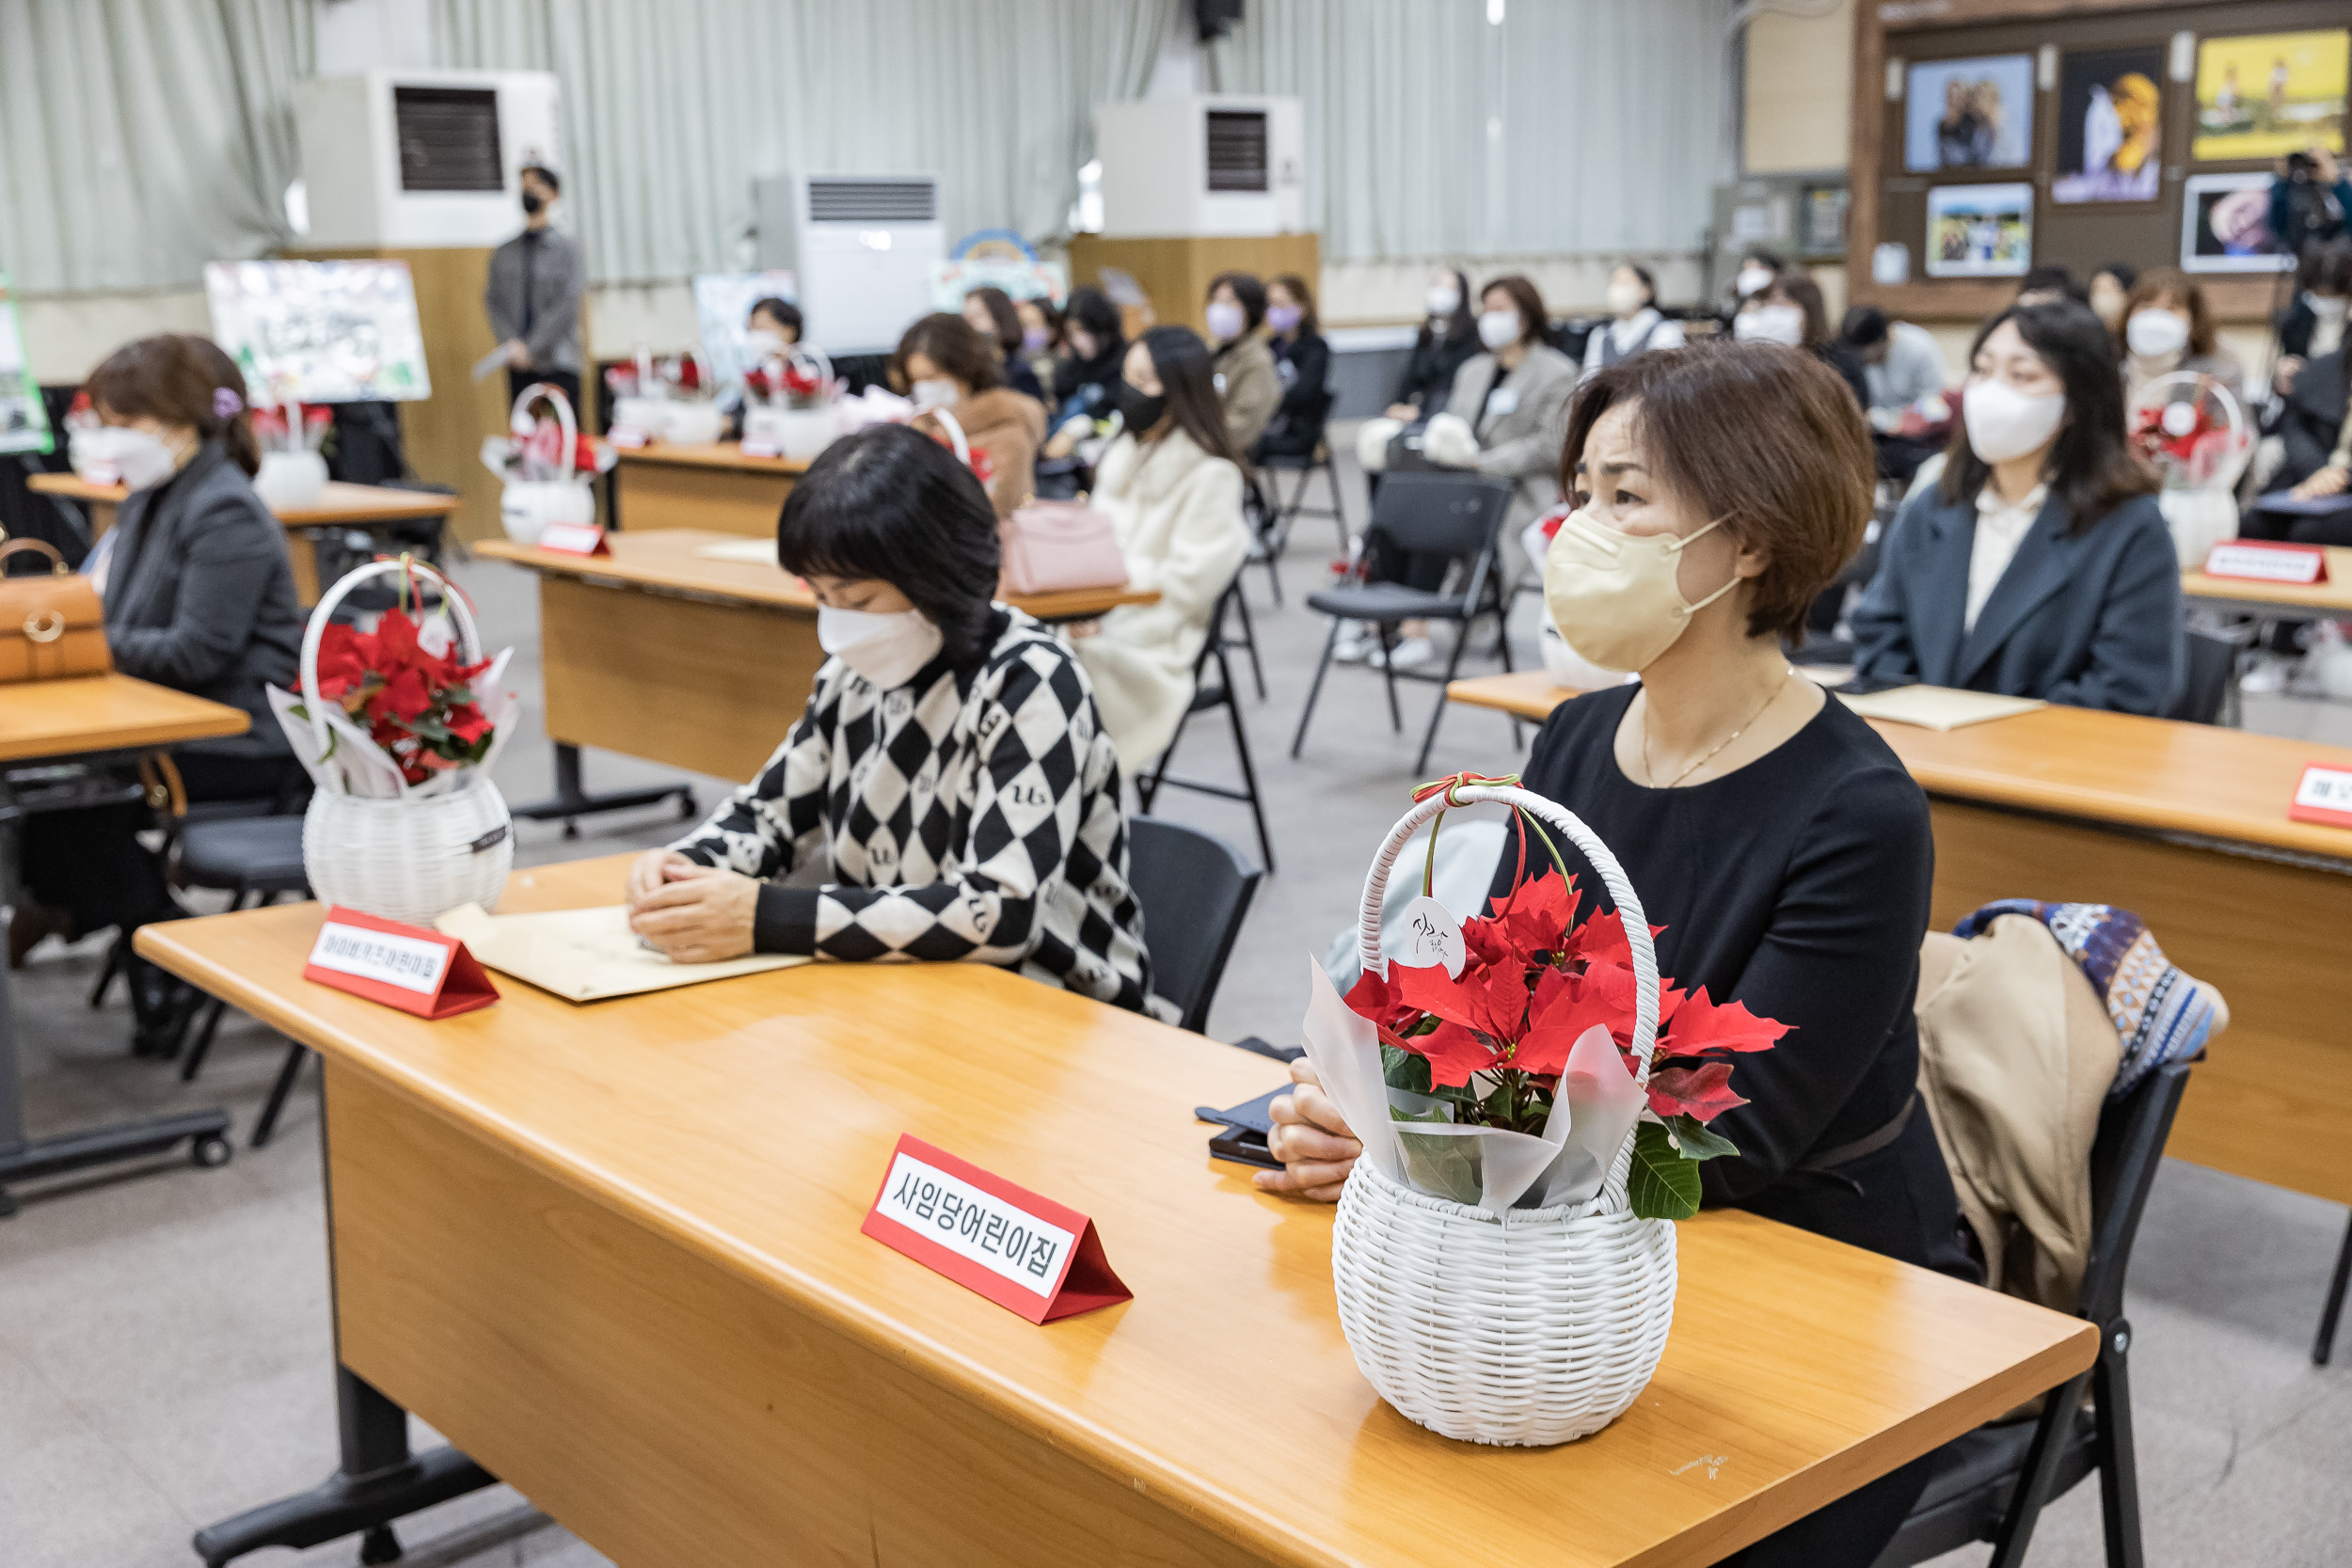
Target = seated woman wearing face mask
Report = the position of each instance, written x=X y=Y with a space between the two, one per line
x=994 y=316
x=1634 y=326
x=772 y=330
x=1171 y=483
x=1093 y=349
x=199 y=596
x=1448 y=337
x=1772 y=833
x=2167 y=328
x=2039 y=565
x=951 y=782
x=1790 y=310
x=1248 y=384
x=944 y=365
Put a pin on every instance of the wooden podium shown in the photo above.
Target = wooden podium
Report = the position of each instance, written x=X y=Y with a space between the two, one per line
x=1175 y=271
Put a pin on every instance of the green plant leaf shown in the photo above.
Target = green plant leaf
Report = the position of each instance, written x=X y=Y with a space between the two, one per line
x=1698 y=1141
x=1402 y=1070
x=1663 y=1185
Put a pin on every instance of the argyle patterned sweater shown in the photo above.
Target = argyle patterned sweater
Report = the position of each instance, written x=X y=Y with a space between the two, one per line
x=970 y=814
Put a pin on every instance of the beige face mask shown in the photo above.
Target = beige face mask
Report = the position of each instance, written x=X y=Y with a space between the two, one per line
x=1615 y=596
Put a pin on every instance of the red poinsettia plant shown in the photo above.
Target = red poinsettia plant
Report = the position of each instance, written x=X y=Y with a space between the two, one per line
x=1538 y=971
x=2189 y=438
x=415 y=702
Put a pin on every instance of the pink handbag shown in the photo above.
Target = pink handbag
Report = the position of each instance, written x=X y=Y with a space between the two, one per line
x=1052 y=546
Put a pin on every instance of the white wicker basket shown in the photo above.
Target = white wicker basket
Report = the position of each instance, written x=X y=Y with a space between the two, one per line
x=1539 y=1326
x=416 y=857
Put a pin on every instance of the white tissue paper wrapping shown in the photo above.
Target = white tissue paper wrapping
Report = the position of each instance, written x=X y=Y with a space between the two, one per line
x=1491 y=1168
x=354 y=764
x=875 y=405
x=1450 y=440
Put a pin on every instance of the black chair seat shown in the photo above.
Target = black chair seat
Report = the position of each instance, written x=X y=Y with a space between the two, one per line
x=1195 y=889
x=255 y=854
x=1388 y=601
x=1975 y=1476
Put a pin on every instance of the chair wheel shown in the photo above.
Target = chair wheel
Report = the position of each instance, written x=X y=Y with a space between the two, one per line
x=210 y=1151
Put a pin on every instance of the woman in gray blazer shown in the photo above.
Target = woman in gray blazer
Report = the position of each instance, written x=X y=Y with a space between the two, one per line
x=2039 y=567
x=200 y=596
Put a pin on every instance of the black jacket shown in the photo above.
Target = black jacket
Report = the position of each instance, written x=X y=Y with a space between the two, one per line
x=1305 y=366
x=200 y=594
x=2090 y=619
x=1429 y=373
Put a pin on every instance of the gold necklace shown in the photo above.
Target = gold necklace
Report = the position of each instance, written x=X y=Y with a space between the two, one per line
x=1651 y=773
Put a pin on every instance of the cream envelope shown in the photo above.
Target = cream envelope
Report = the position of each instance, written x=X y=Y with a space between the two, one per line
x=586 y=955
x=1938 y=707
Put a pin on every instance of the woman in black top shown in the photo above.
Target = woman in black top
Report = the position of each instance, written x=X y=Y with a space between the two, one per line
x=991 y=314
x=1773 y=834
x=1094 y=347
x=1303 y=361
x=1448 y=337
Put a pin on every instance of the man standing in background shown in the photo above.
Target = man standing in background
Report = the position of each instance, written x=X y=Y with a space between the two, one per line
x=537 y=279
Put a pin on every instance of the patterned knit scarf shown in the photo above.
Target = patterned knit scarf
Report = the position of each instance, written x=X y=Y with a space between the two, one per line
x=2161 y=1014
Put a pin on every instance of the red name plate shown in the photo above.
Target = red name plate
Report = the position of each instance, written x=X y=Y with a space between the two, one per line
x=1019 y=1250
x=2262 y=561
x=573 y=539
x=625 y=436
x=407 y=967
x=2324 y=795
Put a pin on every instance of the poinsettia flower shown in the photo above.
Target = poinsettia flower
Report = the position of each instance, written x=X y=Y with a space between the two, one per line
x=1701 y=1026
x=1703 y=1091
x=1564 y=1007
x=1536 y=914
x=468 y=724
x=1454 y=1054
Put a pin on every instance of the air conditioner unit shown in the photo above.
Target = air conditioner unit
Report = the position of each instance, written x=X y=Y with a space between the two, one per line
x=1223 y=165
x=407 y=159
x=863 y=246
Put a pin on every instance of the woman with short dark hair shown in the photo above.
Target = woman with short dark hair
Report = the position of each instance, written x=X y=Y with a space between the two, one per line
x=1779 y=842
x=2040 y=565
x=2167 y=327
x=1248 y=384
x=948 y=367
x=951 y=781
x=1303 y=362
x=994 y=317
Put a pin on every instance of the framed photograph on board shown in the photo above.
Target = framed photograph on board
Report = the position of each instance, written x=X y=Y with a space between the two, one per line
x=2225 y=225
x=2268 y=94
x=1980 y=231
x=24 y=423
x=1968 y=114
x=320 y=331
x=2109 y=125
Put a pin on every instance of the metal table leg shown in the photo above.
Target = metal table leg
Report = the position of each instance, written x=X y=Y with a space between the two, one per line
x=2325 y=1344
x=570 y=801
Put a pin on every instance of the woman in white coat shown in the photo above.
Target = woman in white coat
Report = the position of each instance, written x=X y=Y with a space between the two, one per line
x=1171 y=484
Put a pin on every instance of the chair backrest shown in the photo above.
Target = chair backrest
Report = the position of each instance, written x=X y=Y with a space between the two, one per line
x=2212 y=662
x=1441 y=514
x=1195 y=888
x=2123 y=1161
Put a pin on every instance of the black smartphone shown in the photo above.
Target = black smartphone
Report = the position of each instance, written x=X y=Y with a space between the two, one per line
x=1244 y=1146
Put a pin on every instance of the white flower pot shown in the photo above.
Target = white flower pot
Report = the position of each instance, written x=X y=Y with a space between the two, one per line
x=412 y=859
x=692 y=424
x=800 y=433
x=290 y=481
x=527 y=505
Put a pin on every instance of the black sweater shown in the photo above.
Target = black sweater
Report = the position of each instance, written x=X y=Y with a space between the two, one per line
x=1429 y=373
x=1798 y=885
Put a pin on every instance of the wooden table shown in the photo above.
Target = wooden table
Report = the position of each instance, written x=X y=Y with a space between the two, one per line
x=658 y=651
x=2329 y=598
x=340 y=505
x=88 y=719
x=709 y=485
x=2186 y=825
x=612 y=1252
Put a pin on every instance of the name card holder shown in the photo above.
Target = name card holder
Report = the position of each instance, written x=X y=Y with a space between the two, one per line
x=629 y=436
x=2265 y=561
x=759 y=449
x=2324 y=795
x=574 y=539
x=408 y=967
x=1020 y=1251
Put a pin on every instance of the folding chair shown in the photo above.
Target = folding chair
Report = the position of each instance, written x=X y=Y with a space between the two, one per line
x=1208 y=694
x=1195 y=888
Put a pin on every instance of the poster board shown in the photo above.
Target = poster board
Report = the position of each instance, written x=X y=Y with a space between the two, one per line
x=24 y=423
x=2265 y=95
x=722 y=308
x=320 y=331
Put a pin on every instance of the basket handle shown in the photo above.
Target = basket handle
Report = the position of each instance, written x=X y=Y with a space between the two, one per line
x=567 y=464
x=1612 y=875
x=824 y=365
x=469 y=639
x=954 y=432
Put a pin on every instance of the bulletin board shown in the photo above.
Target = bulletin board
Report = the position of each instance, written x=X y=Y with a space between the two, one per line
x=2128 y=125
x=24 y=423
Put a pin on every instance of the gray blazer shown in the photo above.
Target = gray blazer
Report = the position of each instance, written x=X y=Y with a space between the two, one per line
x=1523 y=444
x=200 y=594
x=559 y=276
x=2090 y=619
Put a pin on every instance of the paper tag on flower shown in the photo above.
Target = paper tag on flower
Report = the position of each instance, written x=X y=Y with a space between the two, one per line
x=1430 y=936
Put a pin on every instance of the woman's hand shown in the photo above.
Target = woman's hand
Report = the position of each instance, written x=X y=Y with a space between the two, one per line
x=1065 y=440
x=2289 y=368
x=1312 y=1139
x=651 y=869
x=2329 y=481
x=700 y=915
x=1402 y=413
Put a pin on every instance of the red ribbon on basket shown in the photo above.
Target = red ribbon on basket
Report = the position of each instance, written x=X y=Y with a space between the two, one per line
x=1464 y=780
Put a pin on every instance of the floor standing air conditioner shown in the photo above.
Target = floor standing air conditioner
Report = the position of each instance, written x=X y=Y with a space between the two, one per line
x=863 y=244
x=1223 y=165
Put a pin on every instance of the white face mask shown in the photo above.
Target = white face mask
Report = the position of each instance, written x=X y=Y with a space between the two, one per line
x=1751 y=281
x=938 y=393
x=1616 y=598
x=887 y=649
x=1626 y=299
x=1499 y=329
x=141 y=460
x=1771 y=323
x=1443 y=301
x=2152 y=334
x=2003 y=423
x=764 y=344
x=1225 y=321
x=2327 y=308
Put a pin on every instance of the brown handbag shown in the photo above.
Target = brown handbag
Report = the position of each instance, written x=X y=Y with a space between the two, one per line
x=53 y=625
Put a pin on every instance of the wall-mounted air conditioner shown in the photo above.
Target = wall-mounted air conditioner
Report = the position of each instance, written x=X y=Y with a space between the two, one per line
x=421 y=158
x=863 y=246
x=1224 y=164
